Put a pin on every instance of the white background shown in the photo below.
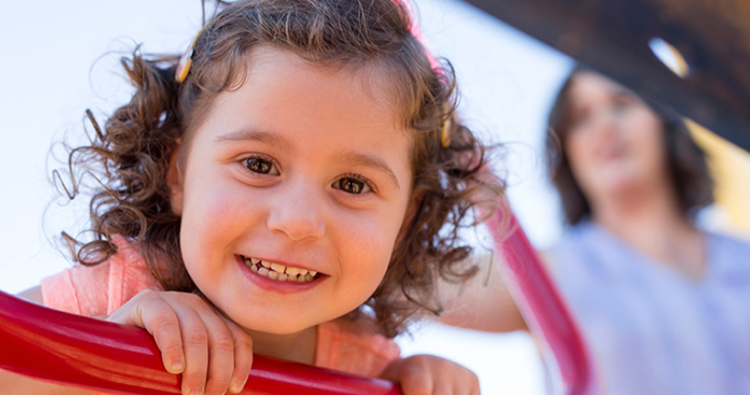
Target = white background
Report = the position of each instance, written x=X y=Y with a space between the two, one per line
x=58 y=58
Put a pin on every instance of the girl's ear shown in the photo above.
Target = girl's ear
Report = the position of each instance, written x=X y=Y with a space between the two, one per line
x=174 y=180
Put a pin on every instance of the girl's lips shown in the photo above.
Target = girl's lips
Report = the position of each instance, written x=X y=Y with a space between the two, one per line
x=284 y=287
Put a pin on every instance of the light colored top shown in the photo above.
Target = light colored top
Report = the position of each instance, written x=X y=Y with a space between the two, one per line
x=102 y=289
x=651 y=329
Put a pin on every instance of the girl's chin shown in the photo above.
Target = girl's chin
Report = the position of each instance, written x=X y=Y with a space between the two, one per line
x=270 y=325
x=256 y=324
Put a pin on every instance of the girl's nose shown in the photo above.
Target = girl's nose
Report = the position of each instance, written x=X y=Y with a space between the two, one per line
x=297 y=212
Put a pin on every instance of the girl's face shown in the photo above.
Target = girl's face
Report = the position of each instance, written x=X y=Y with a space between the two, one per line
x=304 y=168
x=615 y=141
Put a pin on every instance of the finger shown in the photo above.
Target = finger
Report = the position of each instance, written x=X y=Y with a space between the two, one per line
x=442 y=386
x=468 y=384
x=416 y=380
x=161 y=321
x=475 y=387
x=450 y=380
x=220 y=352
x=465 y=382
x=195 y=347
x=149 y=311
x=243 y=356
x=458 y=387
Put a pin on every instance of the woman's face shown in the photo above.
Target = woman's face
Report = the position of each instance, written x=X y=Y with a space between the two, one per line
x=615 y=142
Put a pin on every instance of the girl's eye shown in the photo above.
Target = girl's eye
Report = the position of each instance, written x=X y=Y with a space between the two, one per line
x=260 y=165
x=352 y=185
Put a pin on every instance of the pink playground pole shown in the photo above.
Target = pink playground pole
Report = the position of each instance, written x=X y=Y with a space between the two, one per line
x=542 y=307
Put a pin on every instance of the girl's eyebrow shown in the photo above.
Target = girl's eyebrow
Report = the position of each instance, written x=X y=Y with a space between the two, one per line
x=370 y=161
x=271 y=139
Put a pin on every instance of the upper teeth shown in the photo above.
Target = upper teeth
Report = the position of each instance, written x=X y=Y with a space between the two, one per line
x=280 y=272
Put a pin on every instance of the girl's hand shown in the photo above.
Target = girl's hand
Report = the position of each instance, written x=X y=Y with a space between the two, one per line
x=213 y=353
x=431 y=375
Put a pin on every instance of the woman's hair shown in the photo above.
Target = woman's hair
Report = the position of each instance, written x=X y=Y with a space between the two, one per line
x=686 y=162
x=131 y=154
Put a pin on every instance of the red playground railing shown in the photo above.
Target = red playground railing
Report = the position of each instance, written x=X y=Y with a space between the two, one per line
x=544 y=311
x=77 y=351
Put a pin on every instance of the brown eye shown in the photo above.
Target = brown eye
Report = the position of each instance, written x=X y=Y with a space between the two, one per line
x=259 y=165
x=351 y=185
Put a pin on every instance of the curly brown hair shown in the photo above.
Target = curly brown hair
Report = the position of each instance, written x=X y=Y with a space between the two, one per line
x=131 y=153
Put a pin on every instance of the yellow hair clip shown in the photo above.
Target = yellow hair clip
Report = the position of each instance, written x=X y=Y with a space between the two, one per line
x=183 y=67
x=445 y=137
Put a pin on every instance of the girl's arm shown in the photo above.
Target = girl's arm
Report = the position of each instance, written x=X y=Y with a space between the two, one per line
x=482 y=303
x=12 y=383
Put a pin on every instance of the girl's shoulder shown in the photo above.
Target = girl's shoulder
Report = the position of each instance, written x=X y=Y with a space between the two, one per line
x=128 y=253
x=100 y=289
x=354 y=346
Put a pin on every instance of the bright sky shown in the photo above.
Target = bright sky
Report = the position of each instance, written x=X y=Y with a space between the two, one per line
x=55 y=64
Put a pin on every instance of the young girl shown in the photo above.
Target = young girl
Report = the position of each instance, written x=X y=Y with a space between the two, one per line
x=293 y=186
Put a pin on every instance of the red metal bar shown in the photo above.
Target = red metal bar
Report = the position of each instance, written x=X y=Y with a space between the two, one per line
x=543 y=308
x=83 y=352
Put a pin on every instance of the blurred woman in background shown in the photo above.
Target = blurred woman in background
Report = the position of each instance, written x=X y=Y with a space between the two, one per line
x=664 y=305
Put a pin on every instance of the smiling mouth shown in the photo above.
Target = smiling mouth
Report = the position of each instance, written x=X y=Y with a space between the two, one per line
x=278 y=272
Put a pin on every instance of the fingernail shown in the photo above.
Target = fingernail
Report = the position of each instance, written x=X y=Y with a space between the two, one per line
x=196 y=391
x=177 y=366
x=237 y=386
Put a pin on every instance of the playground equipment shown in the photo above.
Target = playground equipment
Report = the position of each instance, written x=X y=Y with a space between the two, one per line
x=612 y=36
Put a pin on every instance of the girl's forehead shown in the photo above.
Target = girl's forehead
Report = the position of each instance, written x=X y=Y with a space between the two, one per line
x=281 y=90
x=274 y=78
